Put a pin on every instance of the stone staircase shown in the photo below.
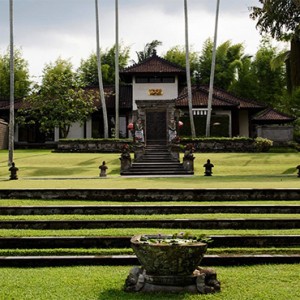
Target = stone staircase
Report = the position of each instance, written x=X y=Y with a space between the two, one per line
x=156 y=160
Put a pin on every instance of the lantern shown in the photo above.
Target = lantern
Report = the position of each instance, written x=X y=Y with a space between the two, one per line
x=180 y=124
x=130 y=126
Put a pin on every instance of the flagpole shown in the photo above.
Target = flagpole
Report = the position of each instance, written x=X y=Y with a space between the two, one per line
x=212 y=73
x=12 y=87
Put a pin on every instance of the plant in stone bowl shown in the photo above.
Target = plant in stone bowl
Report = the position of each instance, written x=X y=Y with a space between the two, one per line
x=169 y=255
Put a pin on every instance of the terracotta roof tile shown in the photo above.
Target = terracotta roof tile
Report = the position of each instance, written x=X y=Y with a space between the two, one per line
x=271 y=114
x=125 y=98
x=154 y=64
x=200 y=99
x=243 y=103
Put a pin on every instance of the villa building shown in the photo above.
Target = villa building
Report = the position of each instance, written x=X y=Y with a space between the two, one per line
x=154 y=91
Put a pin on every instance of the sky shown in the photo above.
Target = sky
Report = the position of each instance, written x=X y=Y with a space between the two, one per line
x=48 y=29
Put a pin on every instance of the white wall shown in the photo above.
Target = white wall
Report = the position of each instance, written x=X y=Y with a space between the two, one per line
x=140 y=91
x=76 y=131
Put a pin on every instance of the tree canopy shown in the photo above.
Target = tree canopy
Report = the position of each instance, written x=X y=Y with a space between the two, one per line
x=228 y=59
x=148 y=50
x=280 y=19
x=58 y=102
x=87 y=70
x=22 y=81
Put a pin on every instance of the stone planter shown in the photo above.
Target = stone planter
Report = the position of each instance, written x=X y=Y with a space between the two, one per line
x=165 y=259
x=170 y=264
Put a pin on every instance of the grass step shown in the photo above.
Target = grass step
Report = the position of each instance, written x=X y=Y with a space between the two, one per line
x=147 y=209
x=218 y=241
x=119 y=260
x=262 y=223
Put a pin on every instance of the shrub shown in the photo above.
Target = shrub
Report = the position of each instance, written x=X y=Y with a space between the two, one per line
x=262 y=144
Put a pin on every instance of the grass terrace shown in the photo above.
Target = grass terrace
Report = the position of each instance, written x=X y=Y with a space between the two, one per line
x=44 y=169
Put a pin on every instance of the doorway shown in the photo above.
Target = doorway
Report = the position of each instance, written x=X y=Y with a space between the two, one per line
x=156 y=124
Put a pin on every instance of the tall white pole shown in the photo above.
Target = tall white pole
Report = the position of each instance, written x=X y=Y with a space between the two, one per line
x=12 y=88
x=188 y=71
x=212 y=73
x=117 y=124
x=100 y=79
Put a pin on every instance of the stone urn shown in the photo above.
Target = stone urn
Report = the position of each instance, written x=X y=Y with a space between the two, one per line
x=165 y=255
x=170 y=264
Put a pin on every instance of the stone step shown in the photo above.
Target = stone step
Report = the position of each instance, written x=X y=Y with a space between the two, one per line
x=131 y=260
x=104 y=242
x=153 y=194
x=253 y=223
x=147 y=209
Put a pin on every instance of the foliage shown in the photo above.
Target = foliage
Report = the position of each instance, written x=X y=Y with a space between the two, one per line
x=270 y=82
x=148 y=50
x=228 y=59
x=87 y=70
x=262 y=144
x=58 y=102
x=22 y=81
x=280 y=19
x=176 y=55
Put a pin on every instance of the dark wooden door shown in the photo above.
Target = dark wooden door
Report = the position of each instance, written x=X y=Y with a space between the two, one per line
x=156 y=131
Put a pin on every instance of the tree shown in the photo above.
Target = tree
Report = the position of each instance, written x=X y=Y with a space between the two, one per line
x=21 y=76
x=88 y=72
x=228 y=60
x=176 y=55
x=271 y=83
x=280 y=19
x=258 y=78
x=58 y=102
x=148 y=50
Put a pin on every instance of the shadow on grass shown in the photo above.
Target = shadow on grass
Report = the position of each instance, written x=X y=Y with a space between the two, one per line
x=289 y=171
x=119 y=294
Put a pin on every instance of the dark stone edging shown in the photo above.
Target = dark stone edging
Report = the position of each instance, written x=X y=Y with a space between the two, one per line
x=130 y=260
x=265 y=223
x=147 y=209
x=158 y=195
x=218 y=241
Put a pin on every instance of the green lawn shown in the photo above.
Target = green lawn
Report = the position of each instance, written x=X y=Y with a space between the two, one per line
x=44 y=169
x=263 y=282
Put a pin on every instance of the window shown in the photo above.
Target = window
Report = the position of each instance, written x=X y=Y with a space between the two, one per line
x=155 y=79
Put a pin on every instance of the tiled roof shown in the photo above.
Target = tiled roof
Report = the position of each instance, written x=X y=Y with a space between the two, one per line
x=271 y=114
x=154 y=64
x=5 y=105
x=125 y=96
x=200 y=99
x=243 y=103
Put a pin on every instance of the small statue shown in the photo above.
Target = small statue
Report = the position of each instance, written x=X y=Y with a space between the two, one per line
x=139 y=131
x=172 y=130
x=103 y=169
x=13 y=172
x=208 y=168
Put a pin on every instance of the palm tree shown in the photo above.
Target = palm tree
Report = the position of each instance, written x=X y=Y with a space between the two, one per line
x=188 y=72
x=212 y=73
x=117 y=123
x=100 y=79
x=148 y=50
x=12 y=88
